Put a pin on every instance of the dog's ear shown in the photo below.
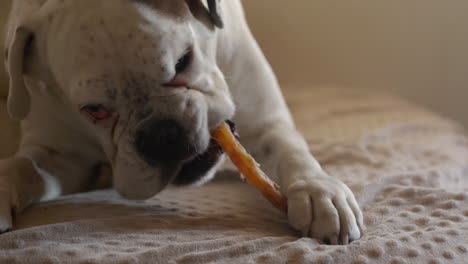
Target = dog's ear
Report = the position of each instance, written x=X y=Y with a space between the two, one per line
x=18 y=96
x=215 y=13
x=210 y=15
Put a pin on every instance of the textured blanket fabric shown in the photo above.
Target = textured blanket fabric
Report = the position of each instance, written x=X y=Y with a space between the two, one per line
x=408 y=168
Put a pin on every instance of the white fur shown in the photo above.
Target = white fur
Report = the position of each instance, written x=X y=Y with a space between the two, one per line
x=229 y=69
x=52 y=187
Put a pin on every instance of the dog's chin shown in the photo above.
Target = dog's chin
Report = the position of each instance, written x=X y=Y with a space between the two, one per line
x=138 y=181
x=140 y=190
x=198 y=168
x=143 y=182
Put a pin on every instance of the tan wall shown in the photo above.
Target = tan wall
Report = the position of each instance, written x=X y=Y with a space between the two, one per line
x=418 y=48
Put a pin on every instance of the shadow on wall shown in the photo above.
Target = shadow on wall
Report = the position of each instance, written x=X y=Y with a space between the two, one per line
x=418 y=48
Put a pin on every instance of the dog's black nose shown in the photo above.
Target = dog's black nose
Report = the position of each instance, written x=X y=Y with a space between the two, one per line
x=163 y=141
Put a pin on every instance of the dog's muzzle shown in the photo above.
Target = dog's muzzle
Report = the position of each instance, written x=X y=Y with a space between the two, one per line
x=171 y=153
x=164 y=141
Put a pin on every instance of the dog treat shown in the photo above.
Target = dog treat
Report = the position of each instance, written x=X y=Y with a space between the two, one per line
x=248 y=167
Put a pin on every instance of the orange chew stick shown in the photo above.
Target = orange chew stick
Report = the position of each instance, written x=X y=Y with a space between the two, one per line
x=248 y=167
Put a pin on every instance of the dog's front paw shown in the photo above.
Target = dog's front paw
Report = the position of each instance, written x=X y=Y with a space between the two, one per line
x=325 y=208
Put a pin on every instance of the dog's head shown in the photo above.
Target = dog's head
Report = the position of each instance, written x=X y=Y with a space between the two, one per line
x=142 y=74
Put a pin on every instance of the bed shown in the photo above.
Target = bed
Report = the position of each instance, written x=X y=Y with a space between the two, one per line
x=407 y=166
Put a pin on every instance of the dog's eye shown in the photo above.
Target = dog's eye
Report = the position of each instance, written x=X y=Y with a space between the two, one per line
x=184 y=62
x=97 y=112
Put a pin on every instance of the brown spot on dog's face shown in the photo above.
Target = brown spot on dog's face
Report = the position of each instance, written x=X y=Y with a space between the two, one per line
x=111 y=93
x=267 y=150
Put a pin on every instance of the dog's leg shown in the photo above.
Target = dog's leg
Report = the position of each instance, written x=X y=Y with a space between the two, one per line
x=20 y=185
x=318 y=205
x=45 y=175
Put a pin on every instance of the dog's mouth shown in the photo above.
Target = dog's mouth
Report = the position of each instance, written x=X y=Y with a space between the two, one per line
x=193 y=170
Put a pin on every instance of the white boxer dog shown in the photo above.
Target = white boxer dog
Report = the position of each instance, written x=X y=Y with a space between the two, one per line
x=136 y=86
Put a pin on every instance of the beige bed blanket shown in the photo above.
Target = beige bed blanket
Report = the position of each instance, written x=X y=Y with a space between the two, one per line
x=408 y=168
